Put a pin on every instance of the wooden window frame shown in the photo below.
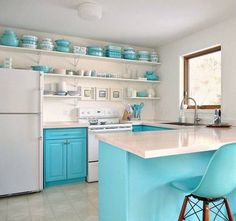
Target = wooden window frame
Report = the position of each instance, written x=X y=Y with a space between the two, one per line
x=186 y=76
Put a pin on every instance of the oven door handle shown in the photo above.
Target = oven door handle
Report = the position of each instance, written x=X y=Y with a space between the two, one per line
x=109 y=130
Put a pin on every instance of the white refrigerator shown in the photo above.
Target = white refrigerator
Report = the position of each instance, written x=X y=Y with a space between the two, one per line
x=21 y=153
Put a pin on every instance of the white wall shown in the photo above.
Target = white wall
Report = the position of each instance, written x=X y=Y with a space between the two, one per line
x=65 y=109
x=171 y=73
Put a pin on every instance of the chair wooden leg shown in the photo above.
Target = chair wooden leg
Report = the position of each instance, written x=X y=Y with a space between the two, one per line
x=230 y=216
x=206 y=212
x=183 y=209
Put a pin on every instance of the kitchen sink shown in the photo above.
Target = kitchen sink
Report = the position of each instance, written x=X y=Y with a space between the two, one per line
x=183 y=124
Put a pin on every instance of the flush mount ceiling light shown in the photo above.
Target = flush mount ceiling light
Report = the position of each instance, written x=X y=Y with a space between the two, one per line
x=90 y=11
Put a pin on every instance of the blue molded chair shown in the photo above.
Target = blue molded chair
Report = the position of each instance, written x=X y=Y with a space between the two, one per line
x=217 y=182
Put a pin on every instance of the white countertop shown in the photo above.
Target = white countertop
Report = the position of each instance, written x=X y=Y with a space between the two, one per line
x=66 y=124
x=173 y=142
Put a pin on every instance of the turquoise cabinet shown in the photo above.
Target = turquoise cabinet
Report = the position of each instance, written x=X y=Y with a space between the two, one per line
x=142 y=128
x=55 y=160
x=65 y=156
x=76 y=158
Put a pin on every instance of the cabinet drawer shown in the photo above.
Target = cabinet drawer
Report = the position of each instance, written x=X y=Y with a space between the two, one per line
x=51 y=134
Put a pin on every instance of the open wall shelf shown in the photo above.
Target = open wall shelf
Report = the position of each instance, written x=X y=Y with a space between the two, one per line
x=101 y=78
x=72 y=55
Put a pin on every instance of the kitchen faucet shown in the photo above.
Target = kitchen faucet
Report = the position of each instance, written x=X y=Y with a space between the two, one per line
x=196 y=119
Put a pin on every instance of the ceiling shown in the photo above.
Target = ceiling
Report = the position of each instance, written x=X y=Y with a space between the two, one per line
x=149 y=23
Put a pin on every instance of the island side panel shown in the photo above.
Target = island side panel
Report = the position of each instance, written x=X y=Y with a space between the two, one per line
x=150 y=195
x=113 y=177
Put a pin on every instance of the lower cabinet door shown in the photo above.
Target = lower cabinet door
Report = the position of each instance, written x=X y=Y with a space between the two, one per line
x=76 y=158
x=55 y=160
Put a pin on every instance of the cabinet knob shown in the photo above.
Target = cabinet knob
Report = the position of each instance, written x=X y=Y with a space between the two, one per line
x=66 y=142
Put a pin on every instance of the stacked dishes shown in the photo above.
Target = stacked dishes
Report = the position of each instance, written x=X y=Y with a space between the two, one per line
x=113 y=51
x=154 y=57
x=46 y=44
x=95 y=51
x=129 y=53
x=63 y=45
x=9 y=38
x=79 y=50
x=29 y=41
x=143 y=55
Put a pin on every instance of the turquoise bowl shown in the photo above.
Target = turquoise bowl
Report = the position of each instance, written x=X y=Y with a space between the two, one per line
x=95 y=53
x=62 y=49
x=9 y=33
x=95 y=47
x=42 y=68
x=129 y=56
x=63 y=43
x=14 y=42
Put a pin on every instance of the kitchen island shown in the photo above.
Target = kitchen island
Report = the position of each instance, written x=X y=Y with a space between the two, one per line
x=136 y=169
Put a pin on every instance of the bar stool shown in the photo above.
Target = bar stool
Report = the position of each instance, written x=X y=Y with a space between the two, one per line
x=211 y=188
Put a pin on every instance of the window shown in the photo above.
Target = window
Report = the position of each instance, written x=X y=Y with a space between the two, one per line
x=202 y=78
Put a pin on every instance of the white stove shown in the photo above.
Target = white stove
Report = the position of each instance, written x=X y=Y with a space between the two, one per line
x=101 y=120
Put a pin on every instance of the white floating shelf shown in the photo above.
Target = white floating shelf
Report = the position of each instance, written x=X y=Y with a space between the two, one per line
x=100 y=78
x=59 y=96
x=72 y=55
x=144 y=98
